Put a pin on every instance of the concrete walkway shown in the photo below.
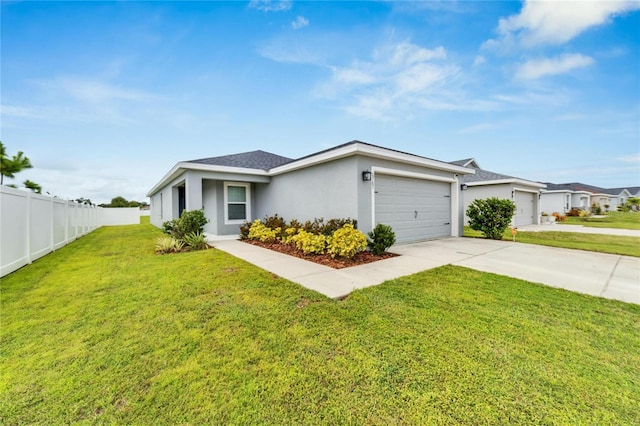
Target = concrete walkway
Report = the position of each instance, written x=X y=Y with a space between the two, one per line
x=580 y=229
x=604 y=275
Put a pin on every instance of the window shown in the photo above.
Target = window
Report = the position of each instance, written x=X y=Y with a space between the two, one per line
x=237 y=205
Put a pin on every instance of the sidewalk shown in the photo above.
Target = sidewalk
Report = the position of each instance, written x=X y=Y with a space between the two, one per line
x=580 y=229
x=604 y=275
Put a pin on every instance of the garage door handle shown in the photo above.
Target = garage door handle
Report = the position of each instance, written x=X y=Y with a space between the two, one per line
x=447 y=223
x=415 y=214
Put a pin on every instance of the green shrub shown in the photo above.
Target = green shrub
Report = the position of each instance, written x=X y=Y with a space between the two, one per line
x=346 y=242
x=318 y=225
x=168 y=244
x=310 y=243
x=190 y=221
x=596 y=209
x=196 y=241
x=491 y=216
x=244 y=230
x=381 y=238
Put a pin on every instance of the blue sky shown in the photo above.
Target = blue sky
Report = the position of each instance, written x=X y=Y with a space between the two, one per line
x=105 y=97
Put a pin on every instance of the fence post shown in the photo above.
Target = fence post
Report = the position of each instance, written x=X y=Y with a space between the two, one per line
x=66 y=222
x=51 y=222
x=28 y=233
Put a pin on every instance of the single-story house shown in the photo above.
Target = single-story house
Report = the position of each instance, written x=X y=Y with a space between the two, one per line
x=565 y=196
x=418 y=197
x=484 y=184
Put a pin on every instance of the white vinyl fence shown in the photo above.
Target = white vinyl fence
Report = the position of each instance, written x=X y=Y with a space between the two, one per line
x=33 y=225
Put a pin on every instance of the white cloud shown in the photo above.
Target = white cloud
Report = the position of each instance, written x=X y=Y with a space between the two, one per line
x=94 y=91
x=398 y=78
x=537 y=68
x=555 y=22
x=631 y=158
x=300 y=22
x=479 y=60
x=270 y=6
x=297 y=53
x=570 y=117
x=478 y=128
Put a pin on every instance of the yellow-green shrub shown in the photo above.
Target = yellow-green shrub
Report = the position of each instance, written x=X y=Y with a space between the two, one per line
x=310 y=243
x=289 y=234
x=260 y=232
x=346 y=242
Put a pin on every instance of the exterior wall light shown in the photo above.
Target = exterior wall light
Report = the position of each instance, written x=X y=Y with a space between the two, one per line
x=464 y=187
x=366 y=176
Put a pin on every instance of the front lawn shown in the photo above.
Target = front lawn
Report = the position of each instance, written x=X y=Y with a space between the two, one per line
x=105 y=331
x=617 y=220
x=613 y=244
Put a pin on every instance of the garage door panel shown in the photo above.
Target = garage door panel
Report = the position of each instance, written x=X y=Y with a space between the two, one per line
x=524 y=208
x=416 y=209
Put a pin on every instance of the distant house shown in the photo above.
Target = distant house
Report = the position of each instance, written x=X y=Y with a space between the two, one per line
x=418 y=197
x=563 y=197
x=484 y=184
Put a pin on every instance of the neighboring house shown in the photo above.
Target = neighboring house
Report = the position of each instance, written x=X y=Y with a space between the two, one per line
x=484 y=184
x=563 y=197
x=417 y=196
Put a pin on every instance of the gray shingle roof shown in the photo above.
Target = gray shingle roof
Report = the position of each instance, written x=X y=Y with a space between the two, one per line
x=574 y=186
x=486 y=175
x=353 y=142
x=578 y=186
x=632 y=189
x=251 y=160
x=461 y=162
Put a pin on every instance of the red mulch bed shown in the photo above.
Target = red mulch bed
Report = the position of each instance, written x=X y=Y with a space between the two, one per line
x=324 y=259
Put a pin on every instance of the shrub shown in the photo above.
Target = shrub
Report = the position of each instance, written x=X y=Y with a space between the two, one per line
x=559 y=217
x=260 y=232
x=318 y=226
x=583 y=213
x=168 y=244
x=190 y=221
x=346 y=242
x=575 y=212
x=244 y=230
x=381 y=238
x=289 y=233
x=491 y=216
x=310 y=243
x=596 y=209
x=196 y=241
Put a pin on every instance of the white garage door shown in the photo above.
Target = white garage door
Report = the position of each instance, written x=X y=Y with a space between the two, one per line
x=524 y=208
x=416 y=209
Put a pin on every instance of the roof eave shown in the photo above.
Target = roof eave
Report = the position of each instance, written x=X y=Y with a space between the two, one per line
x=503 y=181
x=183 y=166
x=369 y=150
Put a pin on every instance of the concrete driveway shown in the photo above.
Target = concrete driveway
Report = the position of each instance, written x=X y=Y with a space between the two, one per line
x=597 y=274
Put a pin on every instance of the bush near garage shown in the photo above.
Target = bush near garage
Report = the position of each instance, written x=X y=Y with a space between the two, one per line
x=381 y=238
x=491 y=216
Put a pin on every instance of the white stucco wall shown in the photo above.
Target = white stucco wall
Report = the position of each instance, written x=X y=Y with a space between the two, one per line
x=327 y=190
x=554 y=202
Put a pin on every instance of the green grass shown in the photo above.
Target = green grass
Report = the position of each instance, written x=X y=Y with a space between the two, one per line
x=613 y=244
x=616 y=220
x=104 y=331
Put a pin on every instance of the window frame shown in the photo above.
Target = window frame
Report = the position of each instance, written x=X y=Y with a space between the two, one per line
x=247 y=203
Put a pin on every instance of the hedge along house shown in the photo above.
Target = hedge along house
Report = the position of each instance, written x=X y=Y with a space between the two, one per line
x=417 y=196
x=485 y=184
